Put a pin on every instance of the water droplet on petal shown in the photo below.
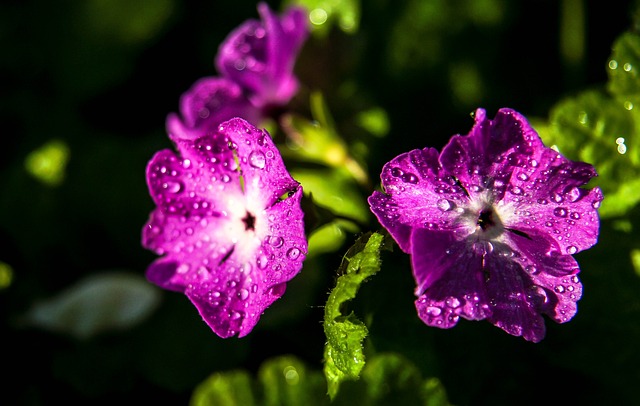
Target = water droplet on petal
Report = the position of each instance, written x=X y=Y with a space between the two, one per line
x=276 y=241
x=516 y=190
x=574 y=215
x=397 y=172
x=257 y=159
x=573 y=194
x=262 y=261
x=452 y=302
x=434 y=310
x=560 y=212
x=556 y=197
x=410 y=178
x=235 y=315
x=530 y=269
x=523 y=176
x=172 y=187
x=444 y=204
x=559 y=289
x=572 y=249
x=293 y=253
x=243 y=294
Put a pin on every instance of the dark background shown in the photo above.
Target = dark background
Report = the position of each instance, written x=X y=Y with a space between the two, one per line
x=102 y=76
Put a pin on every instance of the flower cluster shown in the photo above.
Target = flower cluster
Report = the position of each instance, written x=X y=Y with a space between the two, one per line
x=228 y=223
x=256 y=64
x=491 y=223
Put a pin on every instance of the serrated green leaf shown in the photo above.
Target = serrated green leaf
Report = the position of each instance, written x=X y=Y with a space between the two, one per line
x=231 y=388
x=596 y=128
x=343 y=355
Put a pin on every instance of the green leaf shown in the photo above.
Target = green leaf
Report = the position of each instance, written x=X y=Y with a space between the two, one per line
x=281 y=381
x=595 y=128
x=231 y=388
x=623 y=67
x=601 y=127
x=318 y=141
x=393 y=379
x=286 y=381
x=323 y=14
x=343 y=355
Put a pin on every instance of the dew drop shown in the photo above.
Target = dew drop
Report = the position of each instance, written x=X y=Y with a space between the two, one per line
x=257 y=159
x=531 y=270
x=533 y=163
x=397 y=172
x=410 y=178
x=172 y=187
x=574 y=215
x=559 y=289
x=573 y=194
x=293 y=253
x=516 y=190
x=243 y=294
x=444 y=204
x=276 y=241
x=452 y=302
x=434 y=310
x=572 y=249
x=235 y=315
x=560 y=212
x=225 y=178
x=523 y=176
x=186 y=163
x=262 y=261
x=556 y=197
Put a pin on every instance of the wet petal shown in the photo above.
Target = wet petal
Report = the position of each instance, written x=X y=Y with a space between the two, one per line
x=513 y=299
x=233 y=233
x=260 y=55
x=418 y=193
x=450 y=279
x=209 y=102
x=487 y=156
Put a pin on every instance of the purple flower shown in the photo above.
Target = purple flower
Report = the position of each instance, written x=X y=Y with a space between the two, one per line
x=228 y=224
x=260 y=55
x=209 y=102
x=491 y=224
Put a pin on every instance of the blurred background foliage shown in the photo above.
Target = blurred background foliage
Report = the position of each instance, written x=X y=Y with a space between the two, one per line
x=86 y=86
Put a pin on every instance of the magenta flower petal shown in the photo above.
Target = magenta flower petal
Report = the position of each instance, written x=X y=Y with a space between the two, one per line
x=491 y=224
x=228 y=224
x=260 y=55
x=209 y=102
